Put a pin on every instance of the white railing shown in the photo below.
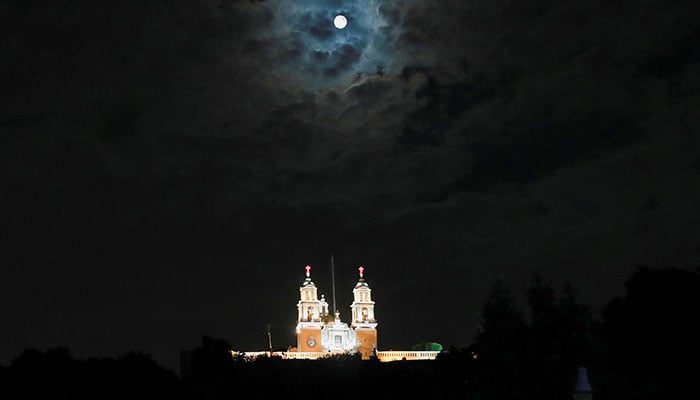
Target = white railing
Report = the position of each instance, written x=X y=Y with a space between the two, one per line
x=383 y=356
x=386 y=356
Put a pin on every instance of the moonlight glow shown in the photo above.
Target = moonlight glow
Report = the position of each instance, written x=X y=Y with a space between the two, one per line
x=340 y=21
x=328 y=50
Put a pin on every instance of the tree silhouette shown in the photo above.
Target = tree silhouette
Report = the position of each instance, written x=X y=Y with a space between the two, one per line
x=499 y=346
x=55 y=374
x=212 y=372
x=559 y=339
x=530 y=358
x=649 y=338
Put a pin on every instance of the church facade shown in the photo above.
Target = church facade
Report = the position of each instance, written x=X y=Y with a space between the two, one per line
x=320 y=332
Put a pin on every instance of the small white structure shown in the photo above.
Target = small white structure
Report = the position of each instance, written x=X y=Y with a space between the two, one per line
x=582 y=390
x=338 y=337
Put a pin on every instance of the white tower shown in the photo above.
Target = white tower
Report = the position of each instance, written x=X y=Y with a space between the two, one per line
x=363 y=320
x=311 y=313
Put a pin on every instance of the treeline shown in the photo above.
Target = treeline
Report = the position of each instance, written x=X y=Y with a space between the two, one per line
x=55 y=374
x=643 y=345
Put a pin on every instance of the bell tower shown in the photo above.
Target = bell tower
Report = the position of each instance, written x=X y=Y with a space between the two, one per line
x=311 y=311
x=363 y=321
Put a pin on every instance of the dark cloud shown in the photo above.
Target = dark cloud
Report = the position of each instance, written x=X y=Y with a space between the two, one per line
x=165 y=162
x=318 y=26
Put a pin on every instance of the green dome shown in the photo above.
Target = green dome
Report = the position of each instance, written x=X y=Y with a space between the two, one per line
x=427 y=346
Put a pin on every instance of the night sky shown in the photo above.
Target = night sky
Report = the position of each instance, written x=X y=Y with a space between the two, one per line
x=169 y=167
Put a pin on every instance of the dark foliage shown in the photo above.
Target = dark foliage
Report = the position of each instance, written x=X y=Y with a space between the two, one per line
x=535 y=357
x=55 y=374
x=649 y=346
x=343 y=376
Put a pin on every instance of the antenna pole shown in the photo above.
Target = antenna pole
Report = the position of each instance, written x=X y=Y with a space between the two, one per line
x=269 y=339
x=333 y=282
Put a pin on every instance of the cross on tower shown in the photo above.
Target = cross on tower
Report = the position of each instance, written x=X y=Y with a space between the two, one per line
x=308 y=271
x=362 y=270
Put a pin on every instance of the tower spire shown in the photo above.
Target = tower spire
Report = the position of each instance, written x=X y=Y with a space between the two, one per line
x=363 y=319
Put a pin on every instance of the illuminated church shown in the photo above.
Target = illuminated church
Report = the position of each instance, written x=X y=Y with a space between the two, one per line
x=321 y=333
x=319 y=330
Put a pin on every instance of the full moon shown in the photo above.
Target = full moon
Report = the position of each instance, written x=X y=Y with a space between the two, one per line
x=340 y=21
